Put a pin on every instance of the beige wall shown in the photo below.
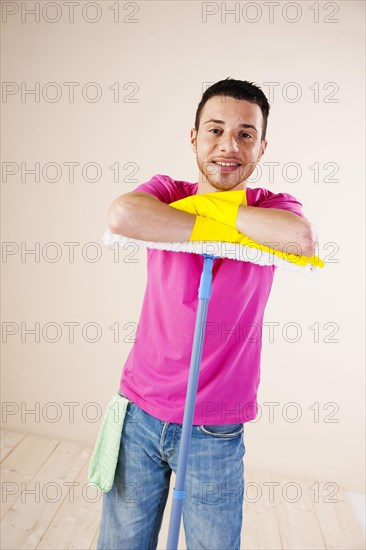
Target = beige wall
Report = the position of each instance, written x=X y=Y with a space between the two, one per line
x=169 y=53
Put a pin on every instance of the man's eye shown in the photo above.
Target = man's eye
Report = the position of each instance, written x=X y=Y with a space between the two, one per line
x=242 y=134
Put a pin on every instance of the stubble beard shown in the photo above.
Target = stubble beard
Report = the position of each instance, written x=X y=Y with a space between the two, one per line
x=222 y=181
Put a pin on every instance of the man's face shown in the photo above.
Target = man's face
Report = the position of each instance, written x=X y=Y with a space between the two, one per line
x=236 y=139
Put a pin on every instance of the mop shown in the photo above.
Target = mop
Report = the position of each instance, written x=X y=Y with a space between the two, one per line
x=214 y=236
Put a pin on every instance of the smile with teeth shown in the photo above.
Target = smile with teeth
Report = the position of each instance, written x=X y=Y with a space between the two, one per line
x=227 y=163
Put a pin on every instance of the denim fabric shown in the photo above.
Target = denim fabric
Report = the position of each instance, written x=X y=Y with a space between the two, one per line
x=133 y=509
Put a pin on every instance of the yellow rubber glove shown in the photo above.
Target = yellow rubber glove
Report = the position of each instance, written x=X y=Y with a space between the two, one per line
x=221 y=206
x=208 y=229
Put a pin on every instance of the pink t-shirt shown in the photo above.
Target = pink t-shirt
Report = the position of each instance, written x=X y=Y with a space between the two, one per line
x=155 y=374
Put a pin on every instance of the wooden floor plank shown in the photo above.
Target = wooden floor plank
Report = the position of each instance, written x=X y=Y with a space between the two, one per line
x=21 y=465
x=260 y=526
x=9 y=440
x=297 y=518
x=93 y=545
x=27 y=520
x=338 y=524
x=76 y=521
x=319 y=520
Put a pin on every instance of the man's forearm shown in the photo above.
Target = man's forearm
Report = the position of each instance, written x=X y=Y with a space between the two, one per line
x=142 y=216
x=277 y=229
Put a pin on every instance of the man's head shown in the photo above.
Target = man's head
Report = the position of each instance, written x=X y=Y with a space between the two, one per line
x=230 y=127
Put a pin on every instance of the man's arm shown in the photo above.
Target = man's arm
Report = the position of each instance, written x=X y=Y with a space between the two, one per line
x=277 y=228
x=140 y=215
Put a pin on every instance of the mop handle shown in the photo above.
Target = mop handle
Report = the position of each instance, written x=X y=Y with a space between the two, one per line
x=204 y=293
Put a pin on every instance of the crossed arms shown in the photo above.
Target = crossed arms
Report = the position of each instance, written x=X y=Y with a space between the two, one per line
x=140 y=215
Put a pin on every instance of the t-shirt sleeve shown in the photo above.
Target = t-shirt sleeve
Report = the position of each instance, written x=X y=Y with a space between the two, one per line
x=283 y=201
x=160 y=186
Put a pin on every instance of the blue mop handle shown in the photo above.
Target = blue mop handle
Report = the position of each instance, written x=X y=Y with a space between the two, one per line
x=204 y=293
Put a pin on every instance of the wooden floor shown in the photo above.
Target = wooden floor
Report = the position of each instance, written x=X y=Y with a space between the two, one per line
x=47 y=504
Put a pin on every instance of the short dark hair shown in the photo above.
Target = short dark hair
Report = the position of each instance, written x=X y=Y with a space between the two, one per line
x=238 y=89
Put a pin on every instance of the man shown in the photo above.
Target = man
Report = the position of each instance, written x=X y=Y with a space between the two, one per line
x=229 y=138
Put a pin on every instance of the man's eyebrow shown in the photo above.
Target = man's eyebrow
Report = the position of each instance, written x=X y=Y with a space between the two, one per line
x=240 y=125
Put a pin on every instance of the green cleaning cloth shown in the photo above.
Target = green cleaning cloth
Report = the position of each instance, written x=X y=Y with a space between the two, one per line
x=103 y=462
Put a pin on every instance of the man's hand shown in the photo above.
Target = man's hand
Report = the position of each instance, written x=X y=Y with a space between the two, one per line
x=219 y=206
x=275 y=228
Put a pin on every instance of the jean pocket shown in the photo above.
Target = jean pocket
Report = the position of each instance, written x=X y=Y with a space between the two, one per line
x=225 y=431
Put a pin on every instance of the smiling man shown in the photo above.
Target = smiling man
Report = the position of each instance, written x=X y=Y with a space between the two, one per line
x=228 y=139
x=229 y=144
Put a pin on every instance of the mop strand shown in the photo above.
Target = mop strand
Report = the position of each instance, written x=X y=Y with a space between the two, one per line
x=252 y=252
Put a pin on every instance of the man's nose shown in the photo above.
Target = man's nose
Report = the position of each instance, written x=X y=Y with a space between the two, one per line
x=228 y=143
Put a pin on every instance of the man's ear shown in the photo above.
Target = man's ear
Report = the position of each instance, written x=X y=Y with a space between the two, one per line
x=263 y=147
x=193 y=140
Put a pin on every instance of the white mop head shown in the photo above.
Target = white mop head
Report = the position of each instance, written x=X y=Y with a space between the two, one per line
x=220 y=249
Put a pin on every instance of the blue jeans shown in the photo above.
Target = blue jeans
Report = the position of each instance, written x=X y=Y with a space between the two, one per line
x=133 y=509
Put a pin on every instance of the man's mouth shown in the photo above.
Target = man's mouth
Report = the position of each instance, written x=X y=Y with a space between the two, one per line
x=227 y=166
